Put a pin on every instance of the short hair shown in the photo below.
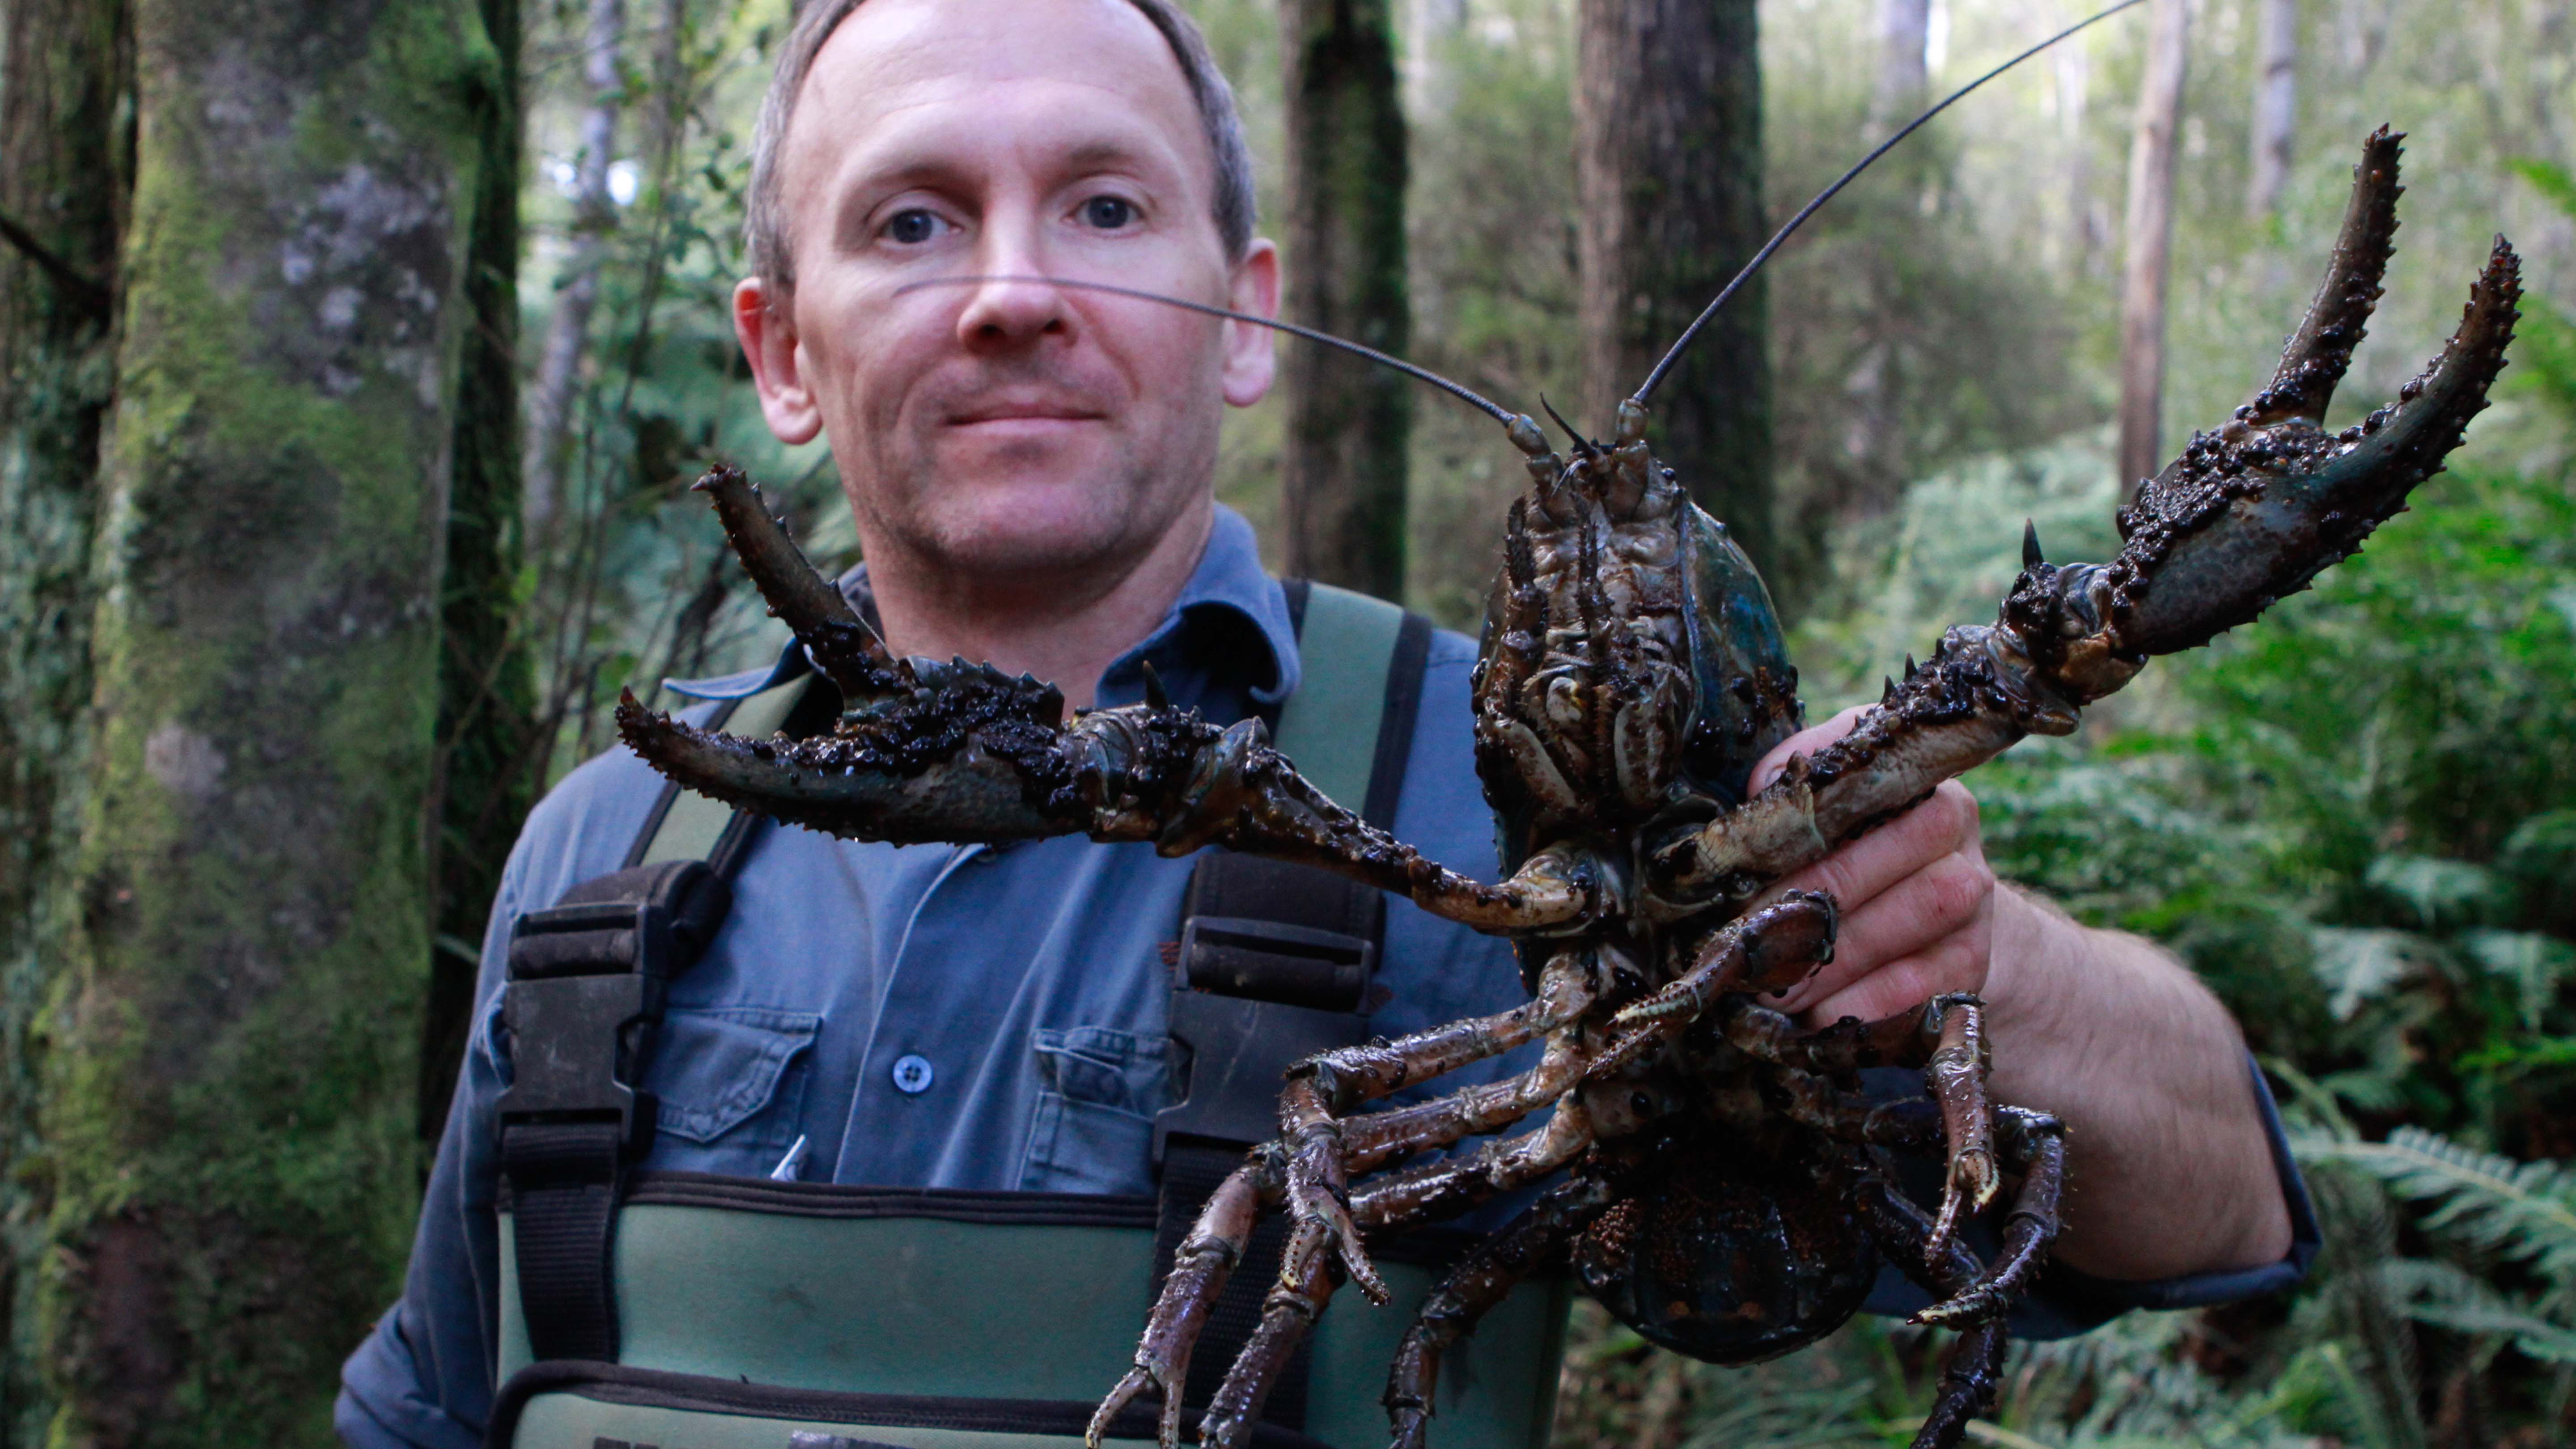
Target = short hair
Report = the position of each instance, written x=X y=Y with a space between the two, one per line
x=765 y=225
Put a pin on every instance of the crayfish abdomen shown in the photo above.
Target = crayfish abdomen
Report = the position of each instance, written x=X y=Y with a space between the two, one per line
x=1732 y=1255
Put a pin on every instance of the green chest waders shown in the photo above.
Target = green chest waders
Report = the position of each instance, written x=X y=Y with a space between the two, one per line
x=673 y=1310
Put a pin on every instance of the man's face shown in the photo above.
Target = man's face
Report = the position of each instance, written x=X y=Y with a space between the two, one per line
x=1010 y=431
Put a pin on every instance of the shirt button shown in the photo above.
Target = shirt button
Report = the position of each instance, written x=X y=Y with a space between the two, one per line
x=912 y=1075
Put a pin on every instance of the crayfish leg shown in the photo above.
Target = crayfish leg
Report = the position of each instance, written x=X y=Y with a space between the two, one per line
x=1973 y=1368
x=1475 y=1287
x=1205 y=1260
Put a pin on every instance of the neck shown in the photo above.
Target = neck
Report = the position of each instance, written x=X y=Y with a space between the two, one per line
x=1064 y=627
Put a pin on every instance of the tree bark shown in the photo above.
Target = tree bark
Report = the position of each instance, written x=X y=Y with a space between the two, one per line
x=1342 y=482
x=2074 y=97
x=1668 y=125
x=230 y=1103
x=65 y=71
x=2150 y=240
x=485 y=769
x=594 y=218
x=1904 y=33
x=2276 y=106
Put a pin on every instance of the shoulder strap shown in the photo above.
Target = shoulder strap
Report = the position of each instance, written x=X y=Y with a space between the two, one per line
x=585 y=989
x=684 y=825
x=1276 y=959
x=1350 y=724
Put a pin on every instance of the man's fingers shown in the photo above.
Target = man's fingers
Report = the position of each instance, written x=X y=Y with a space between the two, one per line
x=1944 y=824
x=1955 y=963
x=1951 y=897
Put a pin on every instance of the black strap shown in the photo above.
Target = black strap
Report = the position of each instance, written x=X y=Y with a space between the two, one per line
x=1276 y=961
x=1395 y=727
x=587 y=978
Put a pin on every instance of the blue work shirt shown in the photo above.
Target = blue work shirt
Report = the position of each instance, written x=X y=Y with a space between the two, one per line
x=925 y=1015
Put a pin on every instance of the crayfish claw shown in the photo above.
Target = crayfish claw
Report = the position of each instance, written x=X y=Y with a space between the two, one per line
x=2318 y=353
x=1324 y=1223
x=842 y=644
x=1319 y=1200
x=1167 y=1431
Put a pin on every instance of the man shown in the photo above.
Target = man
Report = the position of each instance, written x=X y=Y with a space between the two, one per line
x=1030 y=468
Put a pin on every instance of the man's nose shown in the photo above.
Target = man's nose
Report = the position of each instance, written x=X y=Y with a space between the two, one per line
x=1015 y=309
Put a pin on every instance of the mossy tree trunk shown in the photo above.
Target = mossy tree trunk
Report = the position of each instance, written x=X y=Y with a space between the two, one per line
x=484 y=778
x=230 y=1112
x=1668 y=136
x=1342 y=482
x=64 y=70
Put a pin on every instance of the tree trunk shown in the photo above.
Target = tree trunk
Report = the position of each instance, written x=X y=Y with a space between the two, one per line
x=594 y=217
x=2150 y=241
x=1342 y=480
x=484 y=778
x=1668 y=125
x=230 y=1108
x=65 y=70
x=1904 y=32
x=2074 y=96
x=2276 y=106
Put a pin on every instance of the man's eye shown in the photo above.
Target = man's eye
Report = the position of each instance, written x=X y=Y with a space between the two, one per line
x=1108 y=212
x=911 y=228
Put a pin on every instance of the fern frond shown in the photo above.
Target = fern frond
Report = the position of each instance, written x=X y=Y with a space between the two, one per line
x=2545 y=1341
x=2493 y=1204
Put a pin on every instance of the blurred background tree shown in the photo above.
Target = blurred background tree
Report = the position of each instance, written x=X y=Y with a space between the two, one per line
x=2353 y=821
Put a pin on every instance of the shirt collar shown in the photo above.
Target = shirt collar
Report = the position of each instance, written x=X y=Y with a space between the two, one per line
x=1229 y=578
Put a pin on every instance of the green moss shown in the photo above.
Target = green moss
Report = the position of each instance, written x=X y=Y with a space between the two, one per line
x=231 y=1105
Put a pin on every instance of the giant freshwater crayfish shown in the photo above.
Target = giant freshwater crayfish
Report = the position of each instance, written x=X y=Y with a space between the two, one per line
x=1720 y=1182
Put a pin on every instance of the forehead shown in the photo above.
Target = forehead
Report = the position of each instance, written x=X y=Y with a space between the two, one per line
x=905 y=82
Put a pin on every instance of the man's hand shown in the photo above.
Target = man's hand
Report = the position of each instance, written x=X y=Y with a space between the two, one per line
x=1918 y=901
x=2168 y=1169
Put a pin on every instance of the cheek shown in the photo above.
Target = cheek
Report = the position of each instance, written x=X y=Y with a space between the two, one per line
x=864 y=358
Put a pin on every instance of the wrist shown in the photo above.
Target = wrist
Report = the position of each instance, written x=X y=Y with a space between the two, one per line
x=2038 y=955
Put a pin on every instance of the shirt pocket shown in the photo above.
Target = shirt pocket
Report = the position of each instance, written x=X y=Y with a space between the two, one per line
x=728 y=1077
x=1094 y=1128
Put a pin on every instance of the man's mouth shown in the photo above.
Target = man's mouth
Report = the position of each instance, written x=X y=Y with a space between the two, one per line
x=1022 y=414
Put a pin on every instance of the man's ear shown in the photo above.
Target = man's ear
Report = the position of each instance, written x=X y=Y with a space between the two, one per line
x=1251 y=360
x=768 y=335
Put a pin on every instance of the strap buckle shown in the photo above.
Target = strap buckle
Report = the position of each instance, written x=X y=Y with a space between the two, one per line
x=1274 y=961
x=586 y=983
x=1256 y=998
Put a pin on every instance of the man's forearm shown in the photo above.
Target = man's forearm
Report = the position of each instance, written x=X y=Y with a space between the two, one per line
x=2168 y=1168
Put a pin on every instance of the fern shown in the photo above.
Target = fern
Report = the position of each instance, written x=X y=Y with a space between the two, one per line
x=2491 y=1204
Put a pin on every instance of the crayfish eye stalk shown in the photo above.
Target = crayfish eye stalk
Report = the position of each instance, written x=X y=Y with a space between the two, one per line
x=1543 y=463
x=1632 y=424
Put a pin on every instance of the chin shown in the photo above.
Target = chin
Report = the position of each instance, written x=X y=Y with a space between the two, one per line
x=1038 y=525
